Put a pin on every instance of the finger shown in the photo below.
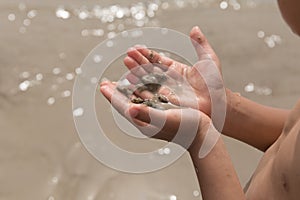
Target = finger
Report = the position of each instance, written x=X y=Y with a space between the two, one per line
x=133 y=79
x=173 y=68
x=140 y=59
x=134 y=67
x=184 y=98
x=146 y=129
x=151 y=55
x=156 y=119
x=155 y=57
x=137 y=56
x=177 y=71
x=203 y=48
x=135 y=74
x=117 y=99
x=170 y=122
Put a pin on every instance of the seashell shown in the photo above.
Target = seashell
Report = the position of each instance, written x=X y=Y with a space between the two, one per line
x=137 y=100
x=162 y=98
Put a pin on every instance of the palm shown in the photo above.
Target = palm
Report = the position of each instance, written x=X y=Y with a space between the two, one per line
x=196 y=94
x=202 y=80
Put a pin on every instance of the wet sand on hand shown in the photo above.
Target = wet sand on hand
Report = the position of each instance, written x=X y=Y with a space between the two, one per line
x=41 y=156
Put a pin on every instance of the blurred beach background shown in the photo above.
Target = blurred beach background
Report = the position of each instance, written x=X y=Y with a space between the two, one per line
x=43 y=44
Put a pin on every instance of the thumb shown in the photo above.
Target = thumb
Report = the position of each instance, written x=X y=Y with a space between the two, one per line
x=202 y=47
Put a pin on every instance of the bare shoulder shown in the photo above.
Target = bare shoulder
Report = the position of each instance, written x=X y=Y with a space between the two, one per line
x=286 y=165
x=278 y=173
x=293 y=119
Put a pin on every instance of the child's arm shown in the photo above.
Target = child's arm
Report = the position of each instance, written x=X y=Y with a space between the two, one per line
x=247 y=121
x=252 y=123
x=216 y=175
x=215 y=172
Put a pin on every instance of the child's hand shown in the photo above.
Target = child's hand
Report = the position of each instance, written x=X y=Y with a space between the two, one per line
x=181 y=125
x=139 y=61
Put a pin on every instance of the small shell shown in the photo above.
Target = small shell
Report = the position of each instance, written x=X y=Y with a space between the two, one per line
x=149 y=102
x=137 y=100
x=162 y=98
x=158 y=102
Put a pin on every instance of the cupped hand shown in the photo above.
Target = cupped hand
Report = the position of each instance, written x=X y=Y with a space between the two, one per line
x=181 y=126
x=204 y=74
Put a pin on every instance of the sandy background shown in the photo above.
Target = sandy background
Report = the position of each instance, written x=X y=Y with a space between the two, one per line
x=41 y=156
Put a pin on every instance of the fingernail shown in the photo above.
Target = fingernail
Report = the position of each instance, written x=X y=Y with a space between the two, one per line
x=103 y=88
x=133 y=112
x=104 y=79
x=140 y=46
x=130 y=49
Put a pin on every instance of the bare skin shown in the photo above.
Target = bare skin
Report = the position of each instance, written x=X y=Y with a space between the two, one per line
x=277 y=175
x=274 y=131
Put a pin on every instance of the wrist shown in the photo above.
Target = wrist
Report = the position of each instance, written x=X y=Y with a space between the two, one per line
x=232 y=104
x=204 y=129
x=233 y=100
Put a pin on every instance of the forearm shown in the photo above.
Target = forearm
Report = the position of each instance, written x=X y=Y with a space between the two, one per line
x=216 y=175
x=252 y=123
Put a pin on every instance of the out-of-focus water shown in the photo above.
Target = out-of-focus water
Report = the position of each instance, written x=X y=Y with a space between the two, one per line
x=43 y=44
